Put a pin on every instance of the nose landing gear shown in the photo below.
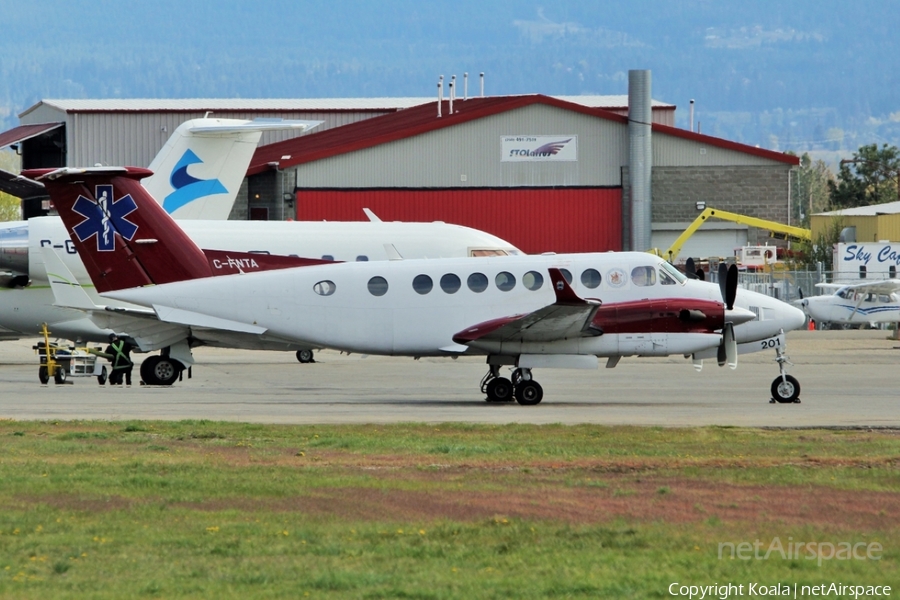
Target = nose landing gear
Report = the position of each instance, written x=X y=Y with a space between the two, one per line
x=785 y=388
x=525 y=390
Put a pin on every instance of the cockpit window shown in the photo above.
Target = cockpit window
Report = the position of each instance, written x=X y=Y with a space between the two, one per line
x=488 y=252
x=643 y=276
x=665 y=278
x=671 y=271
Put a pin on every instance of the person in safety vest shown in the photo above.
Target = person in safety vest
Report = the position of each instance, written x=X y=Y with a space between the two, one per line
x=119 y=354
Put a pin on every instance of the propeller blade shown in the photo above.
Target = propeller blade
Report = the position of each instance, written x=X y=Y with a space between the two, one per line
x=721 y=355
x=730 y=344
x=800 y=291
x=698 y=363
x=731 y=283
x=690 y=270
x=728 y=280
x=723 y=280
x=701 y=275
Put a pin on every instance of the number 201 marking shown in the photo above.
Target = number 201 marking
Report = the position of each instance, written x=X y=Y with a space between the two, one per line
x=771 y=343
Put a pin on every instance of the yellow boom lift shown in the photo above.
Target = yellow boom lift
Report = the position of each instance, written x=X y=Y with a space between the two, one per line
x=778 y=229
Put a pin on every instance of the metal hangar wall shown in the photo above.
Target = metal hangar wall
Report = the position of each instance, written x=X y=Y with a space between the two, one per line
x=423 y=163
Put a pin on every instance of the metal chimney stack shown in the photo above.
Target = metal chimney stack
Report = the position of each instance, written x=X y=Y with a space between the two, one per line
x=640 y=158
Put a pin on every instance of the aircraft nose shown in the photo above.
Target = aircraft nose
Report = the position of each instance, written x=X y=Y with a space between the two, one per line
x=792 y=317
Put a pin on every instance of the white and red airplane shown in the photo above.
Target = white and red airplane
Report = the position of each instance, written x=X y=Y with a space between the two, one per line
x=523 y=311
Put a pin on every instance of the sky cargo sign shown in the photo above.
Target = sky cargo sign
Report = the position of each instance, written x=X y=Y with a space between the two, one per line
x=876 y=257
x=530 y=148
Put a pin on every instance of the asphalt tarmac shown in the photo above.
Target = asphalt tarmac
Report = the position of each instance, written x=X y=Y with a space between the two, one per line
x=847 y=379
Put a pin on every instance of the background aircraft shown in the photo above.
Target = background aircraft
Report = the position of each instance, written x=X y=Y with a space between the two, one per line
x=499 y=306
x=207 y=187
x=854 y=305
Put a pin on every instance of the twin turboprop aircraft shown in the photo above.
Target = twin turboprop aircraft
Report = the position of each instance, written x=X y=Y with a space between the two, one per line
x=855 y=304
x=523 y=311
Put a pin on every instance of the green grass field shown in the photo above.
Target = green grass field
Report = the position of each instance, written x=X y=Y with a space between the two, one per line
x=224 y=510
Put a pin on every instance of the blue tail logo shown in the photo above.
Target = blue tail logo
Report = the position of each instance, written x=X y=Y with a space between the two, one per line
x=104 y=218
x=187 y=187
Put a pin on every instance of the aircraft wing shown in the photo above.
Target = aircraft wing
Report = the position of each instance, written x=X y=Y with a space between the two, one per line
x=884 y=286
x=568 y=317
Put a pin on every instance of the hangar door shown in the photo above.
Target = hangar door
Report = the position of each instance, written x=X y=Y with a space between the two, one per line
x=535 y=220
x=712 y=240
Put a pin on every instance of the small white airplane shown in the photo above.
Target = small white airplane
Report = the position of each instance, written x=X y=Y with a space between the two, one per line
x=560 y=311
x=853 y=305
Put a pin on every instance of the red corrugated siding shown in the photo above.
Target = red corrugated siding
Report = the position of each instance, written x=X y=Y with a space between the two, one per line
x=534 y=219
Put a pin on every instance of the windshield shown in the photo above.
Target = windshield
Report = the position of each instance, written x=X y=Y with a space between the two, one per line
x=670 y=270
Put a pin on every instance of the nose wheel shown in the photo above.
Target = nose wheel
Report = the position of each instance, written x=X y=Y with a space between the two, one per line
x=521 y=387
x=785 y=389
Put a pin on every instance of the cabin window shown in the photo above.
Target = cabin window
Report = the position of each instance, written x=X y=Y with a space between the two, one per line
x=450 y=283
x=892 y=272
x=362 y=258
x=477 y=282
x=533 y=280
x=862 y=271
x=378 y=286
x=567 y=275
x=324 y=288
x=505 y=281
x=643 y=276
x=590 y=278
x=422 y=284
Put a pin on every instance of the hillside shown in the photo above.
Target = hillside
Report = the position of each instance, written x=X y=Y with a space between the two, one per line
x=788 y=76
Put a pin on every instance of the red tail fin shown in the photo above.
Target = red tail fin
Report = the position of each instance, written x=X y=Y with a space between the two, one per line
x=124 y=237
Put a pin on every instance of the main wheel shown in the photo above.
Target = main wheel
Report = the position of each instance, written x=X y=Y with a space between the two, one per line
x=305 y=356
x=101 y=378
x=529 y=393
x=160 y=370
x=59 y=376
x=44 y=375
x=787 y=390
x=499 y=389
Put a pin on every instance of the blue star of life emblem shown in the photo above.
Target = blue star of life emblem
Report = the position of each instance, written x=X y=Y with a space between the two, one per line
x=104 y=218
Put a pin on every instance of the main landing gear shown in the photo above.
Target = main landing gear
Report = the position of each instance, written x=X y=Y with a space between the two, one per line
x=785 y=388
x=521 y=387
x=160 y=370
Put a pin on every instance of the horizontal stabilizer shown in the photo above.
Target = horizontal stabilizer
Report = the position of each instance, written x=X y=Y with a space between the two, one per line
x=228 y=126
x=194 y=319
x=67 y=291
